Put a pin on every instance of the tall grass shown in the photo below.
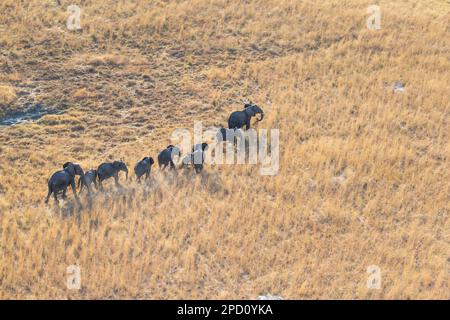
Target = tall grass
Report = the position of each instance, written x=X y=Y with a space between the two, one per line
x=364 y=172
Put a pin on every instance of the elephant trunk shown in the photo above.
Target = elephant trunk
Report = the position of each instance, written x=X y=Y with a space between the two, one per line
x=126 y=173
x=262 y=116
x=83 y=178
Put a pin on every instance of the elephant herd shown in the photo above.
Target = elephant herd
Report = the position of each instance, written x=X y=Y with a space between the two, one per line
x=61 y=180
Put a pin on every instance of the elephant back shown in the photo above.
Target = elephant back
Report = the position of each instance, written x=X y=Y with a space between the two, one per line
x=104 y=169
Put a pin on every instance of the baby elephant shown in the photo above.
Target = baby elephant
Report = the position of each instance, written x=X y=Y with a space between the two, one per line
x=200 y=146
x=108 y=170
x=166 y=157
x=196 y=157
x=89 y=178
x=143 y=167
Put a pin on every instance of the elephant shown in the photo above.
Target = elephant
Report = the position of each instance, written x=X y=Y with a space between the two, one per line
x=60 y=180
x=143 y=167
x=196 y=158
x=200 y=146
x=166 y=157
x=111 y=169
x=239 y=119
x=89 y=178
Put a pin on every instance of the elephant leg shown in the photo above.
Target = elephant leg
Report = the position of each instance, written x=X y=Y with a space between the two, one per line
x=48 y=195
x=116 y=179
x=72 y=184
x=247 y=124
x=100 y=184
x=89 y=189
x=172 y=165
x=147 y=175
x=74 y=189
x=55 y=195
x=95 y=185
x=64 y=196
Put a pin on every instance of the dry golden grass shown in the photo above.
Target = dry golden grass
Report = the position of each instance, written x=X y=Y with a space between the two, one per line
x=140 y=69
x=7 y=96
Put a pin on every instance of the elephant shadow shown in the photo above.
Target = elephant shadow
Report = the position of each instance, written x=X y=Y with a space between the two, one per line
x=213 y=182
x=69 y=208
x=209 y=181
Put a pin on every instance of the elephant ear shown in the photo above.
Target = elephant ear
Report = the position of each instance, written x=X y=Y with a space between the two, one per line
x=70 y=168
x=250 y=111
x=78 y=170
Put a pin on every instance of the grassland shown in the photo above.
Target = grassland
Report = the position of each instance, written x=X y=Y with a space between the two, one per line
x=139 y=69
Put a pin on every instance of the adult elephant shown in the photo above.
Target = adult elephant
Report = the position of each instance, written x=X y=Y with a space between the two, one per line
x=239 y=119
x=60 y=180
x=111 y=169
x=167 y=156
